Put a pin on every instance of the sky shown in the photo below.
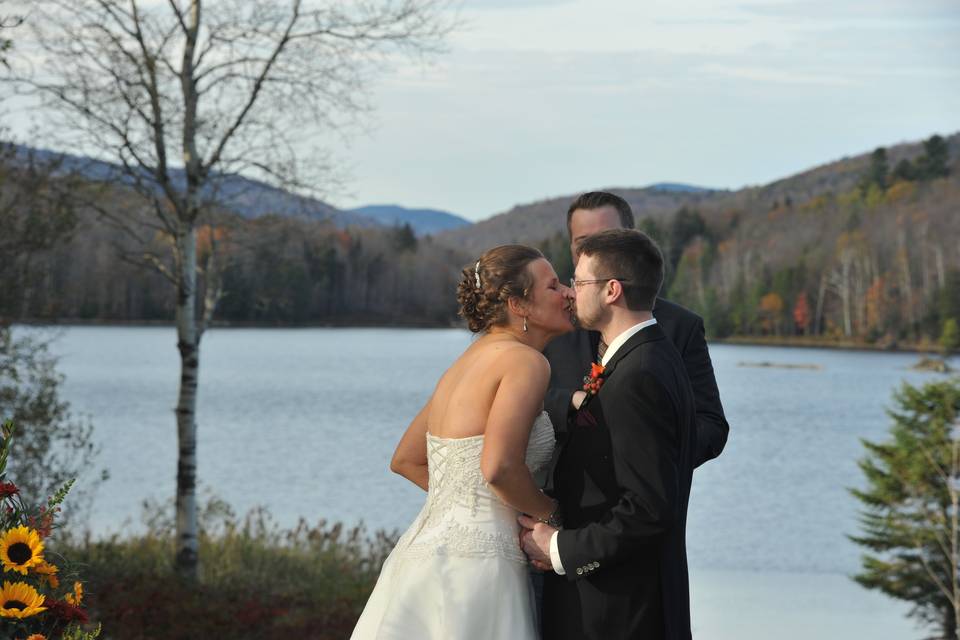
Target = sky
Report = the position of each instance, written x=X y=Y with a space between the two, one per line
x=542 y=98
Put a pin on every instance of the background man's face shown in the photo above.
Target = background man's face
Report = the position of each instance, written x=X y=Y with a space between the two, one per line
x=586 y=222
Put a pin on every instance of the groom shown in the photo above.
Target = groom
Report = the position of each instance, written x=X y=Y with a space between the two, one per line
x=624 y=469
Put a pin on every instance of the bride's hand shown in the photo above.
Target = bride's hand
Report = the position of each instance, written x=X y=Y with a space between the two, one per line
x=577 y=399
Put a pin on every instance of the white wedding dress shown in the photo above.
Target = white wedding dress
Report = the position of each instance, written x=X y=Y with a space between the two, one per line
x=458 y=571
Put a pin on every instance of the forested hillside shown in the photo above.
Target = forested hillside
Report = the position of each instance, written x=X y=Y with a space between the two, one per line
x=863 y=249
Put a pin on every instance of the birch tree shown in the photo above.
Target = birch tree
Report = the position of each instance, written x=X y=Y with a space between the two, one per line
x=180 y=94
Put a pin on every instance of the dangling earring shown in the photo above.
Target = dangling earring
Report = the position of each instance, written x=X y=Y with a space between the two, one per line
x=524 y=324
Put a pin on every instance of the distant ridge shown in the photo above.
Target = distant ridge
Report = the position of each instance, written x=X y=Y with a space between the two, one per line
x=422 y=221
x=679 y=187
x=244 y=196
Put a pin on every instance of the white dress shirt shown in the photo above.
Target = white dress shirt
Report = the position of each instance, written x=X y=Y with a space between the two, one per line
x=611 y=350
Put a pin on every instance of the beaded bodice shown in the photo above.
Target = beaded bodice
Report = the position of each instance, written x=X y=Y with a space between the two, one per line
x=462 y=516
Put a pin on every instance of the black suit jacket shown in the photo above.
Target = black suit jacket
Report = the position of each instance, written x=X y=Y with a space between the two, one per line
x=623 y=481
x=570 y=356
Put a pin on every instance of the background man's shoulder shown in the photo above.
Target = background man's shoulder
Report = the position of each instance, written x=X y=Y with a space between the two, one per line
x=667 y=312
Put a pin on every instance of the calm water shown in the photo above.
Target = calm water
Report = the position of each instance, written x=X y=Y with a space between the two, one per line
x=305 y=421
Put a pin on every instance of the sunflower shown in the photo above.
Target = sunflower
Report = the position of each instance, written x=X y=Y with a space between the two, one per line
x=76 y=597
x=20 y=600
x=20 y=549
x=48 y=573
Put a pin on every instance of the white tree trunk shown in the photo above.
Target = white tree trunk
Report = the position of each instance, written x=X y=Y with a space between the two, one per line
x=906 y=280
x=188 y=342
x=818 y=315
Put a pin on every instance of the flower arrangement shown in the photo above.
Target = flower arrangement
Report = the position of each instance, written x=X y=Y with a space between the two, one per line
x=31 y=582
x=593 y=381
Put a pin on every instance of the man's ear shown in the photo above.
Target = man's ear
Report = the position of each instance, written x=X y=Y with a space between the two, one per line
x=614 y=292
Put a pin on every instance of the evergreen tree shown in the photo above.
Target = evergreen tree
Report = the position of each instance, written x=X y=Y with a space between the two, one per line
x=933 y=162
x=911 y=522
x=556 y=249
x=905 y=171
x=950 y=337
x=686 y=225
x=404 y=239
x=948 y=297
x=650 y=227
x=877 y=174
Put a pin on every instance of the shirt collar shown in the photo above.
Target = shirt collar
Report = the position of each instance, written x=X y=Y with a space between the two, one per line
x=623 y=337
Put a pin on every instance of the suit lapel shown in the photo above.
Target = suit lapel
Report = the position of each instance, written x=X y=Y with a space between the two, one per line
x=647 y=334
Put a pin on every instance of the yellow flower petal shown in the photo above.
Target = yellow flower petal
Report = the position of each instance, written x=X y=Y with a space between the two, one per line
x=20 y=600
x=20 y=549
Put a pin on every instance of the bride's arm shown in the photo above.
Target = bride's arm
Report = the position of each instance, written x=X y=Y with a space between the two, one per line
x=410 y=458
x=518 y=401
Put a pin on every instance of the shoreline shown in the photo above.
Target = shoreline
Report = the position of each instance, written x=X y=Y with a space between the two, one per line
x=802 y=342
x=805 y=342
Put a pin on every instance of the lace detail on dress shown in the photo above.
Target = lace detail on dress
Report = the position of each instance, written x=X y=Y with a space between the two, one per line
x=454 y=466
x=462 y=516
x=462 y=540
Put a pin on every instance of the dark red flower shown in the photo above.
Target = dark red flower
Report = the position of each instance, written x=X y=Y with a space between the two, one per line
x=8 y=489
x=585 y=419
x=65 y=611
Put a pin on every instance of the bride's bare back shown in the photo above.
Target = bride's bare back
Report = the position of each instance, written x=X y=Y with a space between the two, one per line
x=463 y=397
x=495 y=389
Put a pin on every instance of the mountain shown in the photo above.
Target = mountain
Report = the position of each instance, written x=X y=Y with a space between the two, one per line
x=678 y=187
x=422 y=221
x=534 y=222
x=244 y=196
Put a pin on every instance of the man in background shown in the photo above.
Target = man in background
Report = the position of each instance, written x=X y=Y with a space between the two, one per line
x=570 y=355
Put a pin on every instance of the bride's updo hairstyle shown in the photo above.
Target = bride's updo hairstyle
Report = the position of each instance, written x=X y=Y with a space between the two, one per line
x=487 y=285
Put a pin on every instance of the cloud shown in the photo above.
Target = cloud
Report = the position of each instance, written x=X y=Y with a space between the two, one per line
x=775 y=75
x=828 y=11
x=510 y=4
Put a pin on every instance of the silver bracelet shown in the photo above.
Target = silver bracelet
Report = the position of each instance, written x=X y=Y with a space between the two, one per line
x=553 y=519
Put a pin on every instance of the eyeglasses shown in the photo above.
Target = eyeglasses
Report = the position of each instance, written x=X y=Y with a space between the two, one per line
x=576 y=284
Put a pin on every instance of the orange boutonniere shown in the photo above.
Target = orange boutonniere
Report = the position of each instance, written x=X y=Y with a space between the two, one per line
x=593 y=382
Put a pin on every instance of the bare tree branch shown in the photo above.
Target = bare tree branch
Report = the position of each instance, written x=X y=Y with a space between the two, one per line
x=231 y=85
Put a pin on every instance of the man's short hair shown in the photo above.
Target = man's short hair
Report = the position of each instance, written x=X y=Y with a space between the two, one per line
x=631 y=257
x=597 y=199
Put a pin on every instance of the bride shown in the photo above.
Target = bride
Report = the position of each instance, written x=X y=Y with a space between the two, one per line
x=458 y=571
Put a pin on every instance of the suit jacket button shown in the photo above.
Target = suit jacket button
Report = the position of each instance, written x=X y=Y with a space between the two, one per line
x=579 y=571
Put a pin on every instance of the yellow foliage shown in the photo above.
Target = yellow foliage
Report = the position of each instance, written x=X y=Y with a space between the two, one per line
x=207 y=236
x=900 y=191
x=815 y=204
x=874 y=196
x=849 y=198
x=771 y=303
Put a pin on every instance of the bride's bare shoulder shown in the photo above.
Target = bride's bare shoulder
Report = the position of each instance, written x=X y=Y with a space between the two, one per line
x=523 y=359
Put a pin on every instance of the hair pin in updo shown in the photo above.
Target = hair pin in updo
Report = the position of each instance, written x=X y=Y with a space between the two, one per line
x=476 y=273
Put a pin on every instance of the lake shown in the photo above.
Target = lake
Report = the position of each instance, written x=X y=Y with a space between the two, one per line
x=304 y=421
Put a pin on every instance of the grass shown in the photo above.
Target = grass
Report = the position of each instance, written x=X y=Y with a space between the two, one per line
x=258 y=581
